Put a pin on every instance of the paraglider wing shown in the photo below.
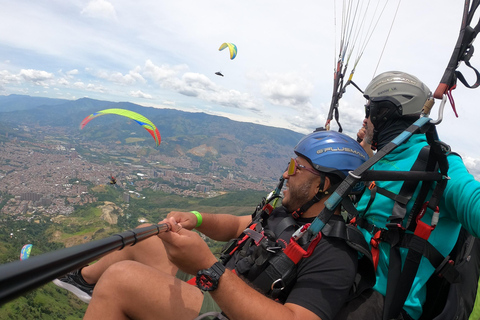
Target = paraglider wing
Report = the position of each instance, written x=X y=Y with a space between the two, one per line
x=141 y=120
x=25 y=252
x=219 y=73
x=231 y=47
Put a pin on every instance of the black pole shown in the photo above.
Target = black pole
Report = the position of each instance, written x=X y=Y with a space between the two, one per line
x=18 y=277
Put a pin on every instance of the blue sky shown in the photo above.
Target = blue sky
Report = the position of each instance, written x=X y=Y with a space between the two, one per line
x=165 y=53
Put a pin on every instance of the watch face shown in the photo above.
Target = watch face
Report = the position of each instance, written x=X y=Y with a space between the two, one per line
x=206 y=283
x=207 y=279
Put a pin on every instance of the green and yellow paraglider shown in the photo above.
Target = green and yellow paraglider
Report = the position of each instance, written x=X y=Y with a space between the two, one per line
x=231 y=47
x=233 y=53
x=138 y=118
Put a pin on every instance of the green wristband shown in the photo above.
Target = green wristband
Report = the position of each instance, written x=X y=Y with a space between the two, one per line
x=199 y=218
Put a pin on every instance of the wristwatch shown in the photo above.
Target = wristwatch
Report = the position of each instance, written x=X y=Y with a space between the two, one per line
x=207 y=279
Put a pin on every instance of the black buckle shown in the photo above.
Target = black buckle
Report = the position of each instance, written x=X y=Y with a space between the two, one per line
x=447 y=270
x=394 y=226
x=393 y=234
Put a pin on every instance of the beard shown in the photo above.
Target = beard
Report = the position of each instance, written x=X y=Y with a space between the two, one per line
x=297 y=196
x=368 y=133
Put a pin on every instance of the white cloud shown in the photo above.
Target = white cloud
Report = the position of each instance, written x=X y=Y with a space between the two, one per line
x=63 y=82
x=38 y=77
x=200 y=86
x=90 y=87
x=117 y=77
x=473 y=166
x=6 y=77
x=101 y=9
x=140 y=94
x=289 y=90
x=163 y=72
x=169 y=103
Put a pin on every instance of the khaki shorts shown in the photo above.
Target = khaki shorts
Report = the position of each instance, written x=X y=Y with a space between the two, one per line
x=208 y=304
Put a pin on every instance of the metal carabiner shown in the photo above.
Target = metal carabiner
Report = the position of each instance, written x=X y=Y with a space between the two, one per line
x=300 y=231
x=276 y=282
x=435 y=215
x=440 y=111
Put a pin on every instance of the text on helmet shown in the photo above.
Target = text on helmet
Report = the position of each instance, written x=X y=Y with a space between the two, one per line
x=320 y=151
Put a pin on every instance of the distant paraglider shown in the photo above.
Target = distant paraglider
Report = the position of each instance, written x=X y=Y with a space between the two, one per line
x=233 y=53
x=113 y=180
x=231 y=47
x=141 y=120
x=25 y=252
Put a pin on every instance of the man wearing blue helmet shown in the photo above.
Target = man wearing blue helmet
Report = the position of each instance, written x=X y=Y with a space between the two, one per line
x=403 y=230
x=261 y=255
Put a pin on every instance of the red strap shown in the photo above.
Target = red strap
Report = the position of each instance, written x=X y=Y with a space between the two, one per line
x=295 y=252
x=245 y=237
x=295 y=214
x=375 y=241
x=268 y=208
x=423 y=230
x=312 y=245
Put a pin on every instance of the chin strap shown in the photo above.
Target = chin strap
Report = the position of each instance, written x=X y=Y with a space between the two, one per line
x=320 y=194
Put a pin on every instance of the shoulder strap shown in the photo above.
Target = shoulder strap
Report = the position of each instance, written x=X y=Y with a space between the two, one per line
x=365 y=277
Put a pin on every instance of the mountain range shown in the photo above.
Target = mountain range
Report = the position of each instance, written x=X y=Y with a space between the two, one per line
x=182 y=133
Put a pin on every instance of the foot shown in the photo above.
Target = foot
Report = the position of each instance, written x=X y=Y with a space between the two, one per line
x=74 y=282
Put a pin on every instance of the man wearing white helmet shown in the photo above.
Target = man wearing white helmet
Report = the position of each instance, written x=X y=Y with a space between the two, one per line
x=395 y=100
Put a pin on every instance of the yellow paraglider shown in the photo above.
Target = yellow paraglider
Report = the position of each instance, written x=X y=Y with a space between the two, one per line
x=231 y=47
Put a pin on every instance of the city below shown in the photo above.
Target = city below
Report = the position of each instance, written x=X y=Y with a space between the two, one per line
x=46 y=176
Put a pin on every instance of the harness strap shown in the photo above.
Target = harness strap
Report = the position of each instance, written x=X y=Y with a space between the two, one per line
x=281 y=270
x=365 y=277
x=442 y=264
x=298 y=213
x=287 y=222
x=408 y=187
x=398 y=294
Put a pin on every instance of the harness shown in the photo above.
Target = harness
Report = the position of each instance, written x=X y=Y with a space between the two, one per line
x=269 y=260
x=430 y=166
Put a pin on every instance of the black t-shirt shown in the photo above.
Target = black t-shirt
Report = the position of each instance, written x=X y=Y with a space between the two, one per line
x=325 y=278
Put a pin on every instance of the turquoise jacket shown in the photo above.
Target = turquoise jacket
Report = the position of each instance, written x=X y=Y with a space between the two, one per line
x=460 y=205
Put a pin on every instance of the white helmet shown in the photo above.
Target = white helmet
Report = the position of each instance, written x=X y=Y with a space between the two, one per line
x=407 y=95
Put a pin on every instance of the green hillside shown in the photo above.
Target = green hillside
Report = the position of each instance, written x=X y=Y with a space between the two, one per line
x=50 y=302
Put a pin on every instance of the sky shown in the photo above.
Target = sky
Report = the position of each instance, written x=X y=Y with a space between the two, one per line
x=165 y=54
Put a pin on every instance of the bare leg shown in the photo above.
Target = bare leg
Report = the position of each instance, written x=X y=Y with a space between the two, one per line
x=150 y=252
x=130 y=290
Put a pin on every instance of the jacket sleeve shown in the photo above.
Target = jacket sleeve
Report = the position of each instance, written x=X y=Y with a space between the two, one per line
x=462 y=196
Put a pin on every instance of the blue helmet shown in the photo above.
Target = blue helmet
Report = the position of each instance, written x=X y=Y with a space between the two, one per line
x=331 y=152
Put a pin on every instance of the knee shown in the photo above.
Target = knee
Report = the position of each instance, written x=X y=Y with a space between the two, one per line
x=115 y=277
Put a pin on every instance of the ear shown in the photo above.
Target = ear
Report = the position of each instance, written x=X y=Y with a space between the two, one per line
x=326 y=185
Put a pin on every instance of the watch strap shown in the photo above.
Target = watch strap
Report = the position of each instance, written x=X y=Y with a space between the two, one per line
x=218 y=267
